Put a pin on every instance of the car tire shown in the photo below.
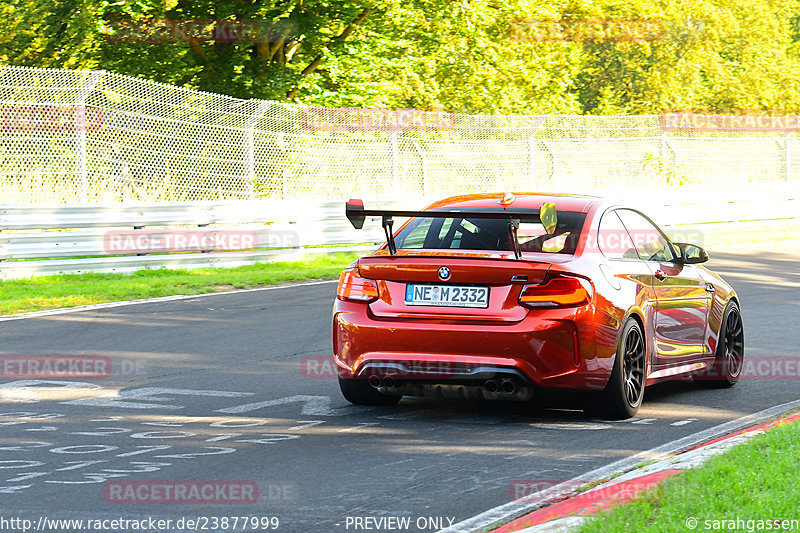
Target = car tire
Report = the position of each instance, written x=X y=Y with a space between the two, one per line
x=360 y=392
x=729 y=356
x=623 y=394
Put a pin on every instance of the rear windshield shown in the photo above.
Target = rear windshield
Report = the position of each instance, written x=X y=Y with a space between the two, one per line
x=491 y=234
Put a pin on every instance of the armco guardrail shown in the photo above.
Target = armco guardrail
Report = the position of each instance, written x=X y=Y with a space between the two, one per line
x=70 y=239
x=58 y=239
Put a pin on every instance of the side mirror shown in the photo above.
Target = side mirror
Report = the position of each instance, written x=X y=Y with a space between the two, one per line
x=691 y=254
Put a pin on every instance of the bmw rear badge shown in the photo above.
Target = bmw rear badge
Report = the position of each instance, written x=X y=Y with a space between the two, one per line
x=444 y=273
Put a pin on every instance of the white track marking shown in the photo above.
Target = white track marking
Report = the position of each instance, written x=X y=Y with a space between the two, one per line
x=143 y=395
x=312 y=405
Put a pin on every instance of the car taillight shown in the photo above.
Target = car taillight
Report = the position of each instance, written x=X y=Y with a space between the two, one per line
x=558 y=292
x=354 y=287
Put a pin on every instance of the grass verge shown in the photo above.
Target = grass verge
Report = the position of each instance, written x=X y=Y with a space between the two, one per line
x=52 y=292
x=755 y=481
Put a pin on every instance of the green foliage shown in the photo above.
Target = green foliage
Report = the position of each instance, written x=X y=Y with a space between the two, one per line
x=52 y=292
x=755 y=481
x=475 y=56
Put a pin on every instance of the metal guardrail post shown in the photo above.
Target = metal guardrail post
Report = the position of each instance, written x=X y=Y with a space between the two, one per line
x=80 y=131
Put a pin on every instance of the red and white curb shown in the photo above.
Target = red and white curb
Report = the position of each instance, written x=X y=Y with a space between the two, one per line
x=571 y=513
x=564 y=507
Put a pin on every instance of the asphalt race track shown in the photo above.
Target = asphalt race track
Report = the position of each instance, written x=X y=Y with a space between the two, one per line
x=234 y=388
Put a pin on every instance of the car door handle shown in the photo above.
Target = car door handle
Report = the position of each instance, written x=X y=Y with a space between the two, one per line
x=660 y=275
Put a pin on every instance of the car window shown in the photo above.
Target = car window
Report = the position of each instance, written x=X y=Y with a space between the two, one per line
x=455 y=233
x=648 y=240
x=415 y=238
x=490 y=234
x=613 y=239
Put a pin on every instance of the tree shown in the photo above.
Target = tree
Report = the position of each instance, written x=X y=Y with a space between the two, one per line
x=472 y=56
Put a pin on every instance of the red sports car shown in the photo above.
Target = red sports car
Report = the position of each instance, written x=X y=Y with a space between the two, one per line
x=496 y=296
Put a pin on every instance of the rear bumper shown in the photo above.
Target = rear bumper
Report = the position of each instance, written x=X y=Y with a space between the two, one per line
x=481 y=382
x=554 y=348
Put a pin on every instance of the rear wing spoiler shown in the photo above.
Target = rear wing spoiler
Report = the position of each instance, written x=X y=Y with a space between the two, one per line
x=356 y=214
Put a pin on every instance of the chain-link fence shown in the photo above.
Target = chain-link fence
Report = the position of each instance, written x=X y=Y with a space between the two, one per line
x=96 y=137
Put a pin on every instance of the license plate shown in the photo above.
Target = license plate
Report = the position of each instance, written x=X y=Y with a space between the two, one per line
x=447 y=295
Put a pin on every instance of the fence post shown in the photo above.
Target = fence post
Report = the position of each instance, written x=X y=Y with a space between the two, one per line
x=80 y=131
x=788 y=155
x=532 y=162
x=424 y=161
x=394 y=157
x=251 y=156
x=547 y=146
x=531 y=137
